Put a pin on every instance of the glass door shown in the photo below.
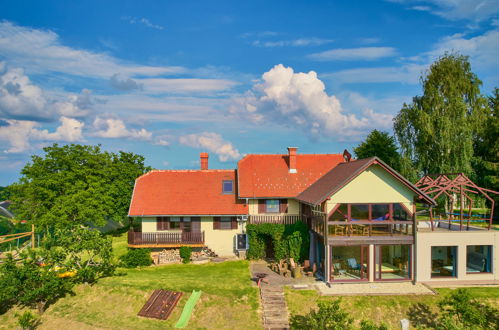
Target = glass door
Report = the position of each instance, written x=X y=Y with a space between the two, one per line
x=392 y=262
x=350 y=263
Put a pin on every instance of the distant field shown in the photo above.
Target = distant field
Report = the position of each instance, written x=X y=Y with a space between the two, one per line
x=228 y=300
x=388 y=309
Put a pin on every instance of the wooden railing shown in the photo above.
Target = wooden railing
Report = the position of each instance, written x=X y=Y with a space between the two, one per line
x=281 y=219
x=165 y=238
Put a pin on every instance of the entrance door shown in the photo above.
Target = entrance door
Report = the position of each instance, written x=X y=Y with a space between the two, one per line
x=350 y=263
x=393 y=262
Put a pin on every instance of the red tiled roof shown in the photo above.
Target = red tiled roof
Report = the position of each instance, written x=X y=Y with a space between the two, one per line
x=268 y=175
x=185 y=192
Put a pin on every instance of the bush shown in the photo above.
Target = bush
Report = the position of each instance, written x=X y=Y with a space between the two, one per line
x=185 y=254
x=289 y=241
x=136 y=257
x=27 y=320
x=328 y=316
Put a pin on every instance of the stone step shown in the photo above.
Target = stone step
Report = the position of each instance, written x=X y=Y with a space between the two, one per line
x=275 y=315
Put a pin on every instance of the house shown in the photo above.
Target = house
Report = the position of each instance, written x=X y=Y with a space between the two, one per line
x=361 y=215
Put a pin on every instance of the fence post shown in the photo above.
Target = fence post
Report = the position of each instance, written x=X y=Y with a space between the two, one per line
x=32 y=236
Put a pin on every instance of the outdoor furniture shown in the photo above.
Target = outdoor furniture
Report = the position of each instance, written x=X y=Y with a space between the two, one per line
x=261 y=277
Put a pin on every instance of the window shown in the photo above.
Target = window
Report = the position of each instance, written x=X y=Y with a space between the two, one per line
x=341 y=213
x=399 y=213
x=175 y=223
x=186 y=224
x=227 y=186
x=225 y=222
x=272 y=206
x=393 y=262
x=360 y=211
x=380 y=212
x=350 y=263
x=478 y=259
x=443 y=261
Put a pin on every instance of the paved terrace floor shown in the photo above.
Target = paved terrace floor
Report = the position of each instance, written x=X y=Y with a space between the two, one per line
x=373 y=289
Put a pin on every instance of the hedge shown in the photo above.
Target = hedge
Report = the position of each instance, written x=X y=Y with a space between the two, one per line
x=290 y=241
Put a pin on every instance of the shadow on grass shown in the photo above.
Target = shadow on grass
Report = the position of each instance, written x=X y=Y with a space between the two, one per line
x=421 y=315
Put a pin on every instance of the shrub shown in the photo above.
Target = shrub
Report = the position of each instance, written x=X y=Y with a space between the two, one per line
x=27 y=320
x=136 y=257
x=328 y=316
x=185 y=254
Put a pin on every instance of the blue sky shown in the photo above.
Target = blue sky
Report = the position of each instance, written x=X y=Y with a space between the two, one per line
x=169 y=79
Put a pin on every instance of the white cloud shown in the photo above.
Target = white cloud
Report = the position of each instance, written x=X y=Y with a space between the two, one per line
x=354 y=54
x=163 y=85
x=41 y=51
x=19 y=97
x=212 y=142
x=143 y=21
x=77 y=105
x=407 y=73
x=482 y=49
x=116 y=128
x=476 y=10
x=302 y=42
x=20 y=133
x=299 y=100
x=122 y=83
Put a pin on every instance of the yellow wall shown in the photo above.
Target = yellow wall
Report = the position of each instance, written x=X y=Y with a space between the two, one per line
x=374 y=185
x=221 y=241
x=293 y=207
x=461 y=239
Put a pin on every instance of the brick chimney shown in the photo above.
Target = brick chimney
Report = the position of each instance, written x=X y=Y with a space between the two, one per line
x=203 y=159
x=292 y=159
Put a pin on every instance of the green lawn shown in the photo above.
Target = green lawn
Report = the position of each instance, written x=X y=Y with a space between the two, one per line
x=388 y=309
x=229 y=301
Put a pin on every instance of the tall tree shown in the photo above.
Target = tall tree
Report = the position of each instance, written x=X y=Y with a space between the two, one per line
x=382 y=145
x=76 y=184
x=436 y=130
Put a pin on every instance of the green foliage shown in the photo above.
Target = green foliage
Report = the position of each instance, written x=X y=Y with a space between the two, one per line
x=288 y=240
x=185 y=254
x=136 y=258
x=382 y=145
x=329 y=316
x=369 y=325
x=35 y=285
x=458 y=310
x=27 y=320
x=76 y=184
x=486 y=149
x=82 y=249
x=4 y=193
x=436 y=130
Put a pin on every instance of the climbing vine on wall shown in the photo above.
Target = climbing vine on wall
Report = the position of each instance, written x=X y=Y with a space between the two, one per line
x=289 y=241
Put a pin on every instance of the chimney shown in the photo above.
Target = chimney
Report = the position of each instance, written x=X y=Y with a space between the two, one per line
x=292 y=159
x=203 y=158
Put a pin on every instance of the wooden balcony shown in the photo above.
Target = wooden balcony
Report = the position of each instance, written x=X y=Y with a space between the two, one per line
x=269 y=218
x=165 y=239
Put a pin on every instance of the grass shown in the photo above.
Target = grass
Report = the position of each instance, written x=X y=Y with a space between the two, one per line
x=228 y=301
x=387 y=309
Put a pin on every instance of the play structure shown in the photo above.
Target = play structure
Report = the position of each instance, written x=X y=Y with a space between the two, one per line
x=458 y=188
x=12 y=237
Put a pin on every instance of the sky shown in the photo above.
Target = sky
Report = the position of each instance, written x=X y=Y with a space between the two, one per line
x=171 y=79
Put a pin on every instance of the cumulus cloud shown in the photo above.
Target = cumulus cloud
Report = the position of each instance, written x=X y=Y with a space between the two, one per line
x=299 y=100
x=116 y=128
x=19 y=97
x=212 y=142
x=124 y=83
x=354 y=54
x=41 y=51
x=76 y=105
x=20 y=133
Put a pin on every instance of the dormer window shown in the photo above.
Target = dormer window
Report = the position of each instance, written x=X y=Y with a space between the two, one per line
x=227 y=186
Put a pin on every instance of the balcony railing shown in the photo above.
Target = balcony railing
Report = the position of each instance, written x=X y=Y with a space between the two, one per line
x=268 y=218
x=165 y=239
x=369 y=229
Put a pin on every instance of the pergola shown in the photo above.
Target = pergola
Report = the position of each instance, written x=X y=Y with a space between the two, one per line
x=456 y=186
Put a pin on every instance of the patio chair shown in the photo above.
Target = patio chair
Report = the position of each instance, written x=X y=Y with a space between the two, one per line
x=352 y=264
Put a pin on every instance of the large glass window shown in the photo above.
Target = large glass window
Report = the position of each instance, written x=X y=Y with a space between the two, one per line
x=360 y=211
x=175 y=223
x=341 y=213
x=443 y=261
x=478 y=259
x=393 y=262
x=380 y=212
x=349 y=263
x=272 y=205
x=400 y=213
